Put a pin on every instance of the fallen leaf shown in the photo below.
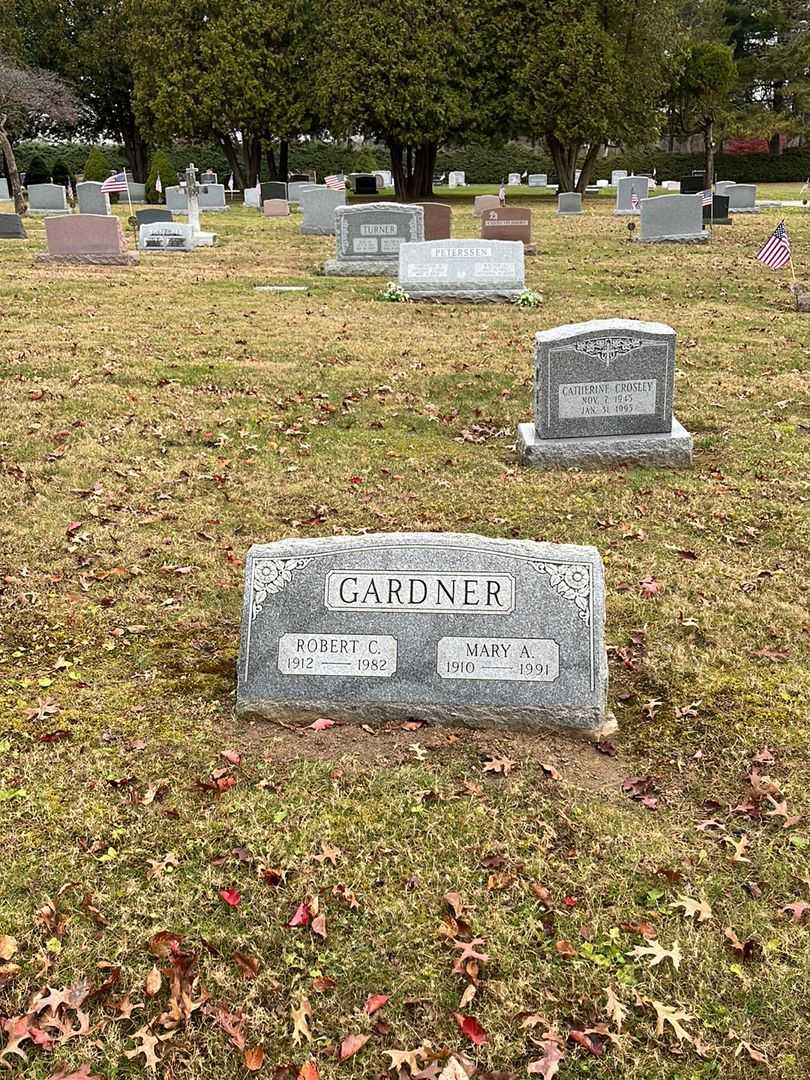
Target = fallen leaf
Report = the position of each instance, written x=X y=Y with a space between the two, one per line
x=502 y=765
x=471 y=1028
x=549 y=1064
x=757 y=1056
x=328 y=854
x=233 y=757
x=410 y=1058
x=581 y=1038
x=375 y=1002
x=658 y=953
x=301 y=1016
x=649 y=587
x=232 y=897
x=254 y=1058
x=351 y=1044
x=668 y=1014
x=550 y=771
x=615 y=1010
x=302 y=916
x=153 y=981
x=308 y=1071
x=82 y=1073
x=319 y=926
x=322 y=724
x=745 y=950
x=247 y=964
x=145 y=1045
x=798 y=909
x=454 y=902
x=699 y=910
x=565 y=948
x=8 y=946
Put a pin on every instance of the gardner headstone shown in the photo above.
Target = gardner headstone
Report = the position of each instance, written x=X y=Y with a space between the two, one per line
x=165 y=236
x=630 y=190
x=11 y=227
x=92 y=200
x=438 y=220
x=449 y=628
x=603 y=397
x=463 y=271
x=672 y=219
x=369 y=237
x=319 y=205
x=47 y=199
x=569 y=202
x=509 y=223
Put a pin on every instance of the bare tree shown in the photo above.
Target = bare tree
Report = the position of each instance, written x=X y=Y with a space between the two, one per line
x=30 y=98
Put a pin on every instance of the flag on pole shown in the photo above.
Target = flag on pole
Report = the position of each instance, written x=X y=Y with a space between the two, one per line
x=706 y=197
x=158 y=184
x=230 y=183
x=335 y=183
x=118 y=182
x=775 y=252
x=633 y=201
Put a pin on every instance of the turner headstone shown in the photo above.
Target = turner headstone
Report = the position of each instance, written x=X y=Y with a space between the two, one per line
x=444 y=627
x=603 y=396
x=368 y=238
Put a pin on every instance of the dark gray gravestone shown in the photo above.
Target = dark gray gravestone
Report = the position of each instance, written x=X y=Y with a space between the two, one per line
x=446 y=627
x=717 y=213
x=11 y=227
x=692 y=184
x=150 y=216
x=603 y=396
x=299 y=178
x=368 y=237
x=365 y=185
x=275 y=189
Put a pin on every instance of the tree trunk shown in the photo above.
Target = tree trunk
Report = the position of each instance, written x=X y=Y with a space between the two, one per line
x=13 y=173
x=587 y=166
x=137 y=151
x=413 y=176
x=564 y=156
x=284 y=160
x=708 y=156
x=253 y=158
x=233 y=160
x=270 y=156
x=775 y=141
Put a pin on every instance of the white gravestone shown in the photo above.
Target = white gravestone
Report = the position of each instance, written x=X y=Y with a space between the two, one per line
x=463 y=271
x=165 y=236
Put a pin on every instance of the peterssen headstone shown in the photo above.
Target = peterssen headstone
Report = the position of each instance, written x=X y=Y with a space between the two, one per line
x=463 y=271
x=369 y=237
x=92 y=200
x=603 y=397
x=319 y=205
x=672 y=219
x=569 y=202
x=443 y=627
x=47 y=199
x=11 y=227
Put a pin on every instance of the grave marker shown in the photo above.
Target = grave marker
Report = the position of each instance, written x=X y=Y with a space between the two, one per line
x=86 y=239
x=630 y=190
x=151 y=215
x=538 y=180
x=11 y=227
x=5 y=194
x=369 y=237
x=443 y=627
x=672 y=219
x=92 y=200
x=742 y=198
x=509 y=223
x=319 y=205
x=462 y=271
x=438 y=220
x=569 y=202
x=165 y=236
x=276 y=208
x=47 y=199
x=483 y=203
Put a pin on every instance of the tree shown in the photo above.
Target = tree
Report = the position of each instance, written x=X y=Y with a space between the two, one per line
x=401 y=74
x=160 y=166
x=37 y=171
x=589 y=74
x=97 y=167
x=704 y=95
x=60 y=172
x=30 y=98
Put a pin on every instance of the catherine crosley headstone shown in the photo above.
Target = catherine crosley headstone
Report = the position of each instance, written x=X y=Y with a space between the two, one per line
x=463 y=271
x=603 y=396
x=369 y=237
x=445 y=627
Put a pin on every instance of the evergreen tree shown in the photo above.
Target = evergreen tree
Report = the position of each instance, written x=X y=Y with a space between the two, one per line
x=37 y=171
x=161 y=165
x=97 y=167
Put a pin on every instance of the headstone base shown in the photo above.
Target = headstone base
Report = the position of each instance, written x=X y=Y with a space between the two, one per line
x=465 y=296
x=90 y=259
x=358 y=268
x=317 y=230
x=683 y=238
x=203 y=239
x=589 y=723
x=668 y=450
x=627 y=213
x=744 y=209
x=570 y=213
x=45 y=213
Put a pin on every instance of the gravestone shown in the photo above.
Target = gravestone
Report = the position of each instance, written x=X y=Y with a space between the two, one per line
x=485 y=202
x=296 y=187
x=462 y=271
x=299 y=178
x=11 y=227
x=722 y=186
x=617 y=175
x=364 y=183
x=538 y=180
x=250 y=197
x=209 y=177
x=742 y=198
x=602 y=184
x=457 y=178
x=276 y=208
x=514 y=179
x=603 y=397
x=151 y=215
x=369 y=237
x=672 y=219
x=508 y=223
x=176 y=199
x=385 y=177
x=438 y=220
x=92 y=200
x=569 y=202
x=717 y=213
x=47 y=199
x=165 y=236
x=5 y=194
x=212 y=198
x=628 y=190
x=693 y=183
x=273 y=189
x=449 y=628
x=671 y=185
x=137 y=192
x=86 y=239
x=198 y=236
x=319 y=205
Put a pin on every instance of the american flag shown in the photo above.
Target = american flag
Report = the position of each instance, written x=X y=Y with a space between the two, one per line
x=706 y=197
x=116 y=183
x=633 y=201
x=775 y=252
x=335 y=183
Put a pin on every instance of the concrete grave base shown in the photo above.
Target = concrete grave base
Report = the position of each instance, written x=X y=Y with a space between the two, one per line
x=98 y=258
x=668 y=450
x=359 y=268
x=684 y=238
x=317 y=230
x=745 y=209
x=627 y=213
x=48 y=213
x=203 y=239
x=465 y=296
x=571 y=213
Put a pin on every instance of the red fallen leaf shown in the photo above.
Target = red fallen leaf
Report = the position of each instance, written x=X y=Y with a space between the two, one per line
x=165 y=945
x=323 y=983
x=375 y=1002
x=355 y=479
x=322 y=724
x=232 y=897
x=351 y=1044
x=232 y=756
x=591 y=1045
x=570 y=901
x=55 y=736
x=309 y=1071
x=73 y=527
x=302 y=916
x=649 y=587
x=254 y=1058
x=605 y=746
x=272 y=875
x=550 y=771
x=471 y=1028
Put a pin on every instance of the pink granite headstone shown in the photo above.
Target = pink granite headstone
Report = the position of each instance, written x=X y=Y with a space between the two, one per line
x=276 y=208
x=86 y=238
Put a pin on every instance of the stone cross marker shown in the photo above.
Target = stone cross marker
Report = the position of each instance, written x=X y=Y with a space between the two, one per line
x=603 y=397
x=459 y=271
x=369 y=237
x=446 y=627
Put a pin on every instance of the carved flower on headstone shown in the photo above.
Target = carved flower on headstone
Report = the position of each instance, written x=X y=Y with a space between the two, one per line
x=271 y=576
x=572 y=581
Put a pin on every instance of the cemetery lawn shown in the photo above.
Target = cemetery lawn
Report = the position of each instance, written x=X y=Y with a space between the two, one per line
x=156 y=421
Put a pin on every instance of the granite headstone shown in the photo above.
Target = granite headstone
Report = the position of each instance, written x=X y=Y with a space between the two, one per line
x=152 y=214
x=273 y=189
x=630 y=190
x=482 y=203
x=176 y=199
x=86 y=239
x=11 y=227
x=438 y=220
x=165 y=236
x=369 y=237
x=693 y=183
x=538 y=180
x=47 y=199
x=672 y=219
x=212 y=197
x=508 y=223
x=463 y=271
x=5 y=194
x=319 y=205
x=569 y=202
x=742 y=198
x=92 y=200
x=276 y=208
x=449 y=628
